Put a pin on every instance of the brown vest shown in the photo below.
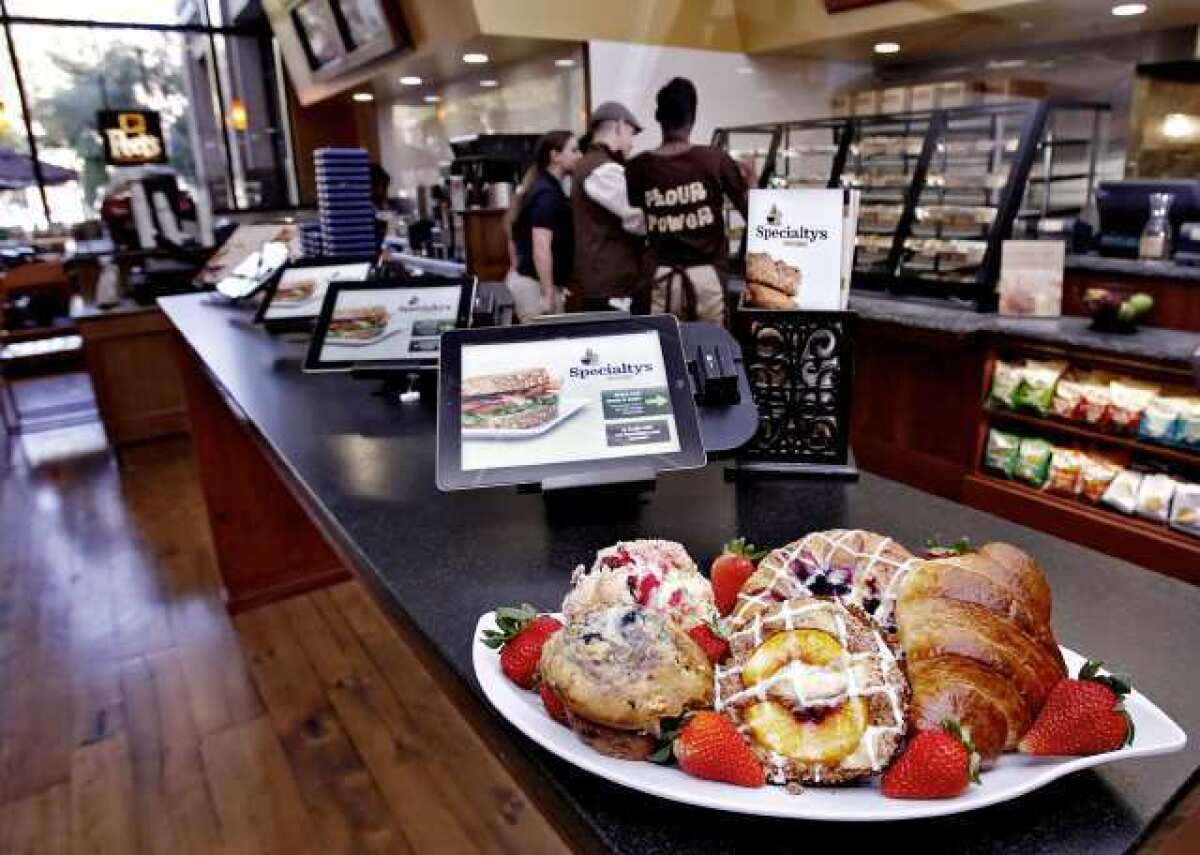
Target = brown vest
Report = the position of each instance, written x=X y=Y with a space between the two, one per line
x=608 y=260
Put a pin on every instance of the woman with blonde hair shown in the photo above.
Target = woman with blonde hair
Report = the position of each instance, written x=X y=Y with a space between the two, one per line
x=541 y=233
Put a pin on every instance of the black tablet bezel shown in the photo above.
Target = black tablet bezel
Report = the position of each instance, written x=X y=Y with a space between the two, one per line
x=312 y=360
x=450 y=474
x=301 y=322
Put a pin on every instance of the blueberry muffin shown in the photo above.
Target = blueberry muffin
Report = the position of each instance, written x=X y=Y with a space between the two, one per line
x=620 y=671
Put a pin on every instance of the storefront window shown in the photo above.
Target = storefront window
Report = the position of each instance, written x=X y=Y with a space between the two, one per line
x=20 y=202
x=215 y=93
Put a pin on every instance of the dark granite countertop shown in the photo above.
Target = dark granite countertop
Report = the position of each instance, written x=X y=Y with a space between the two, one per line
x=1153 y=343
x=366 y=470
x=1133 y=267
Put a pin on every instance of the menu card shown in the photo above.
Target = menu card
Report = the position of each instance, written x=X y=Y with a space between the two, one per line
x=794 y=249
x=1031 y=278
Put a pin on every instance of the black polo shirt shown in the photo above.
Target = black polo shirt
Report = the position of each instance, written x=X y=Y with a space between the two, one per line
x=545 y=206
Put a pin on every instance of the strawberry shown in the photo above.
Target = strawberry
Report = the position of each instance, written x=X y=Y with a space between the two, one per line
x=711 y=641
x=709 y=746
x=937 y=764
x=730 y=571
x=520 y=636
x=553 y=704
x=1083 y=716
x=646 y=587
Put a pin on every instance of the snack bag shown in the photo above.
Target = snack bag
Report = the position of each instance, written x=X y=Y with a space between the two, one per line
x=1096 y=476
x=1185 y=510
x=1068 y=398
x=1063 y=474
x=1006 y=377
x=1187 y=427
x=1001 y=451
x=1122 y=492
x=1033 y=458
x=1158 y=423
x=1038 y=379
x=1129 y=399
x=1154 y=497
x=1095 y=397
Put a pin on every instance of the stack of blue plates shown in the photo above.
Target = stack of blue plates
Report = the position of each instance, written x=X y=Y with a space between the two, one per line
x=344 y=197
x=310 y=240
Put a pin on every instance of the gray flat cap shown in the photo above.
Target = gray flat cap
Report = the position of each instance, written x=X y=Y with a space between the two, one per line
x=611 y=111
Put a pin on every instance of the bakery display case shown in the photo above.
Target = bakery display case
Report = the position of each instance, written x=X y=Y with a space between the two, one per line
x=941 y=189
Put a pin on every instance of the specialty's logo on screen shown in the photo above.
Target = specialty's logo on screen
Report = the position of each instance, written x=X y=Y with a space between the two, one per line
x=590 y=366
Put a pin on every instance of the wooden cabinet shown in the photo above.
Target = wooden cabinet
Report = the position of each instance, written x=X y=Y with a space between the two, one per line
x=131 y=361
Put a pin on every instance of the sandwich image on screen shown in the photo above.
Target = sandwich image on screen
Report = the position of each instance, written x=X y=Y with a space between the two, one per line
x=297 y=291
x=513 y=400
x=358 y=324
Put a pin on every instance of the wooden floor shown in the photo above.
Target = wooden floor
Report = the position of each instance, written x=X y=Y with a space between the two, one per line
x=136 y=717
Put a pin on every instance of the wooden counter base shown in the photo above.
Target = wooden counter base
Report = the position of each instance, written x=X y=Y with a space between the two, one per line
x=267 y=547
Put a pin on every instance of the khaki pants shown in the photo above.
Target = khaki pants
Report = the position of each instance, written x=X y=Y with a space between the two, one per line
x=527 y=298
x=710 y=293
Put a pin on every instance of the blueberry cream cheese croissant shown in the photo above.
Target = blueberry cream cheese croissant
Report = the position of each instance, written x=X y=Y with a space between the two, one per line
x=855 y=566
x=815 y=689
x=620 y=670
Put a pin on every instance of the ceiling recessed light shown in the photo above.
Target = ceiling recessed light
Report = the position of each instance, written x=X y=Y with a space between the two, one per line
x=410 y=80
x=488 y=84
x=564 y=63
x=887 y=47
x=475 y=58
x=745 y=69
x=432 y=99
x=363 y=96
x=1128 y=10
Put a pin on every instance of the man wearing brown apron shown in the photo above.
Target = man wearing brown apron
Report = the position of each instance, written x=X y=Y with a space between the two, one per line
x=609 y=232
x=682 y=187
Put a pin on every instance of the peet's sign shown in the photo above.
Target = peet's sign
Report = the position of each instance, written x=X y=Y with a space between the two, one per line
x=132 y=137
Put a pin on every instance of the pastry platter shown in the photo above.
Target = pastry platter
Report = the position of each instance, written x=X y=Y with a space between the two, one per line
x=1012 y=775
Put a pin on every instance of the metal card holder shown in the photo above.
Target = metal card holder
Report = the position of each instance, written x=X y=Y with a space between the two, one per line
x=800 y=367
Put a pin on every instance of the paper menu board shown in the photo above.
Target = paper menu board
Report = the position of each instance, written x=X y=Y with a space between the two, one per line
x=794 y=249
x=1031 y=278
x=565 y=400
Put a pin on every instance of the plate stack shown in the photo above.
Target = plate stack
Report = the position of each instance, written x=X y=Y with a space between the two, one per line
x=344 y=197
x=310 y=240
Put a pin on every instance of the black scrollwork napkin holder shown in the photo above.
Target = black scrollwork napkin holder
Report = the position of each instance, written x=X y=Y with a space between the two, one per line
x=800 y=367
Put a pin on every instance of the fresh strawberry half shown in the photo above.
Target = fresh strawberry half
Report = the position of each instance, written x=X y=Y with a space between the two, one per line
x=553 y=704
x=709 y=746
x=730 y=571
x=937 y=764
x=520 y=634
x=1083 y=716
x=711 y=640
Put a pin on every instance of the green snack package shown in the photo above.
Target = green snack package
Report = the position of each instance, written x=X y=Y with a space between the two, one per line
x=1033 y=460
x=1038 y=379
x=1001 y=452
x=1006 y=376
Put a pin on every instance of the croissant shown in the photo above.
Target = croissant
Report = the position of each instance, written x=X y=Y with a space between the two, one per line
x=978 y=645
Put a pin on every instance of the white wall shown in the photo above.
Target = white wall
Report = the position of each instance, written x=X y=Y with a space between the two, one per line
x=733 y=88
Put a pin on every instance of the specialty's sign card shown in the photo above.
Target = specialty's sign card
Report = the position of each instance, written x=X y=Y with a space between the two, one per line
x=794 y=251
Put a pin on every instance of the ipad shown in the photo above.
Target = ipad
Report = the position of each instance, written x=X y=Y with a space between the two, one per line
x=388 y=324
x=520 y=405
x=294 y=296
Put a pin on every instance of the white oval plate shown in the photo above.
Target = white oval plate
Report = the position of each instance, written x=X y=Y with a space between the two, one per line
x=1013 y=774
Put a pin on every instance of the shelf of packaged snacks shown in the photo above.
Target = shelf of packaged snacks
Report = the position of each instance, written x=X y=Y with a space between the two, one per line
x=1135 y=539
x=1081 y=431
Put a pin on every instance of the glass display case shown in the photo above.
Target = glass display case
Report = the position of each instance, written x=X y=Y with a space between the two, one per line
x=941 y=190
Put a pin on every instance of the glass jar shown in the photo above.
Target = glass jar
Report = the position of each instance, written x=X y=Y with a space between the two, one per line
x=1156 y=236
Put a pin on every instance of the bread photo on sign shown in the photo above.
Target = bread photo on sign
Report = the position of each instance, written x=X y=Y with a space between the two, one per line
x=771 y=284
x=513 y=400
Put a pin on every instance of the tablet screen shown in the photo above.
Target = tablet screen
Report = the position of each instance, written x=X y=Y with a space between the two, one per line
x=388 y=324
x=300 y=290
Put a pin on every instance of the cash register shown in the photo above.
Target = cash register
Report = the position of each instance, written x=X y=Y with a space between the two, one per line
x=1124 y=207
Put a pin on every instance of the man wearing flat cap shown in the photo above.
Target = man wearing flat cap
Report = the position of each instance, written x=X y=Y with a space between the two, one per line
x=608 y=230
